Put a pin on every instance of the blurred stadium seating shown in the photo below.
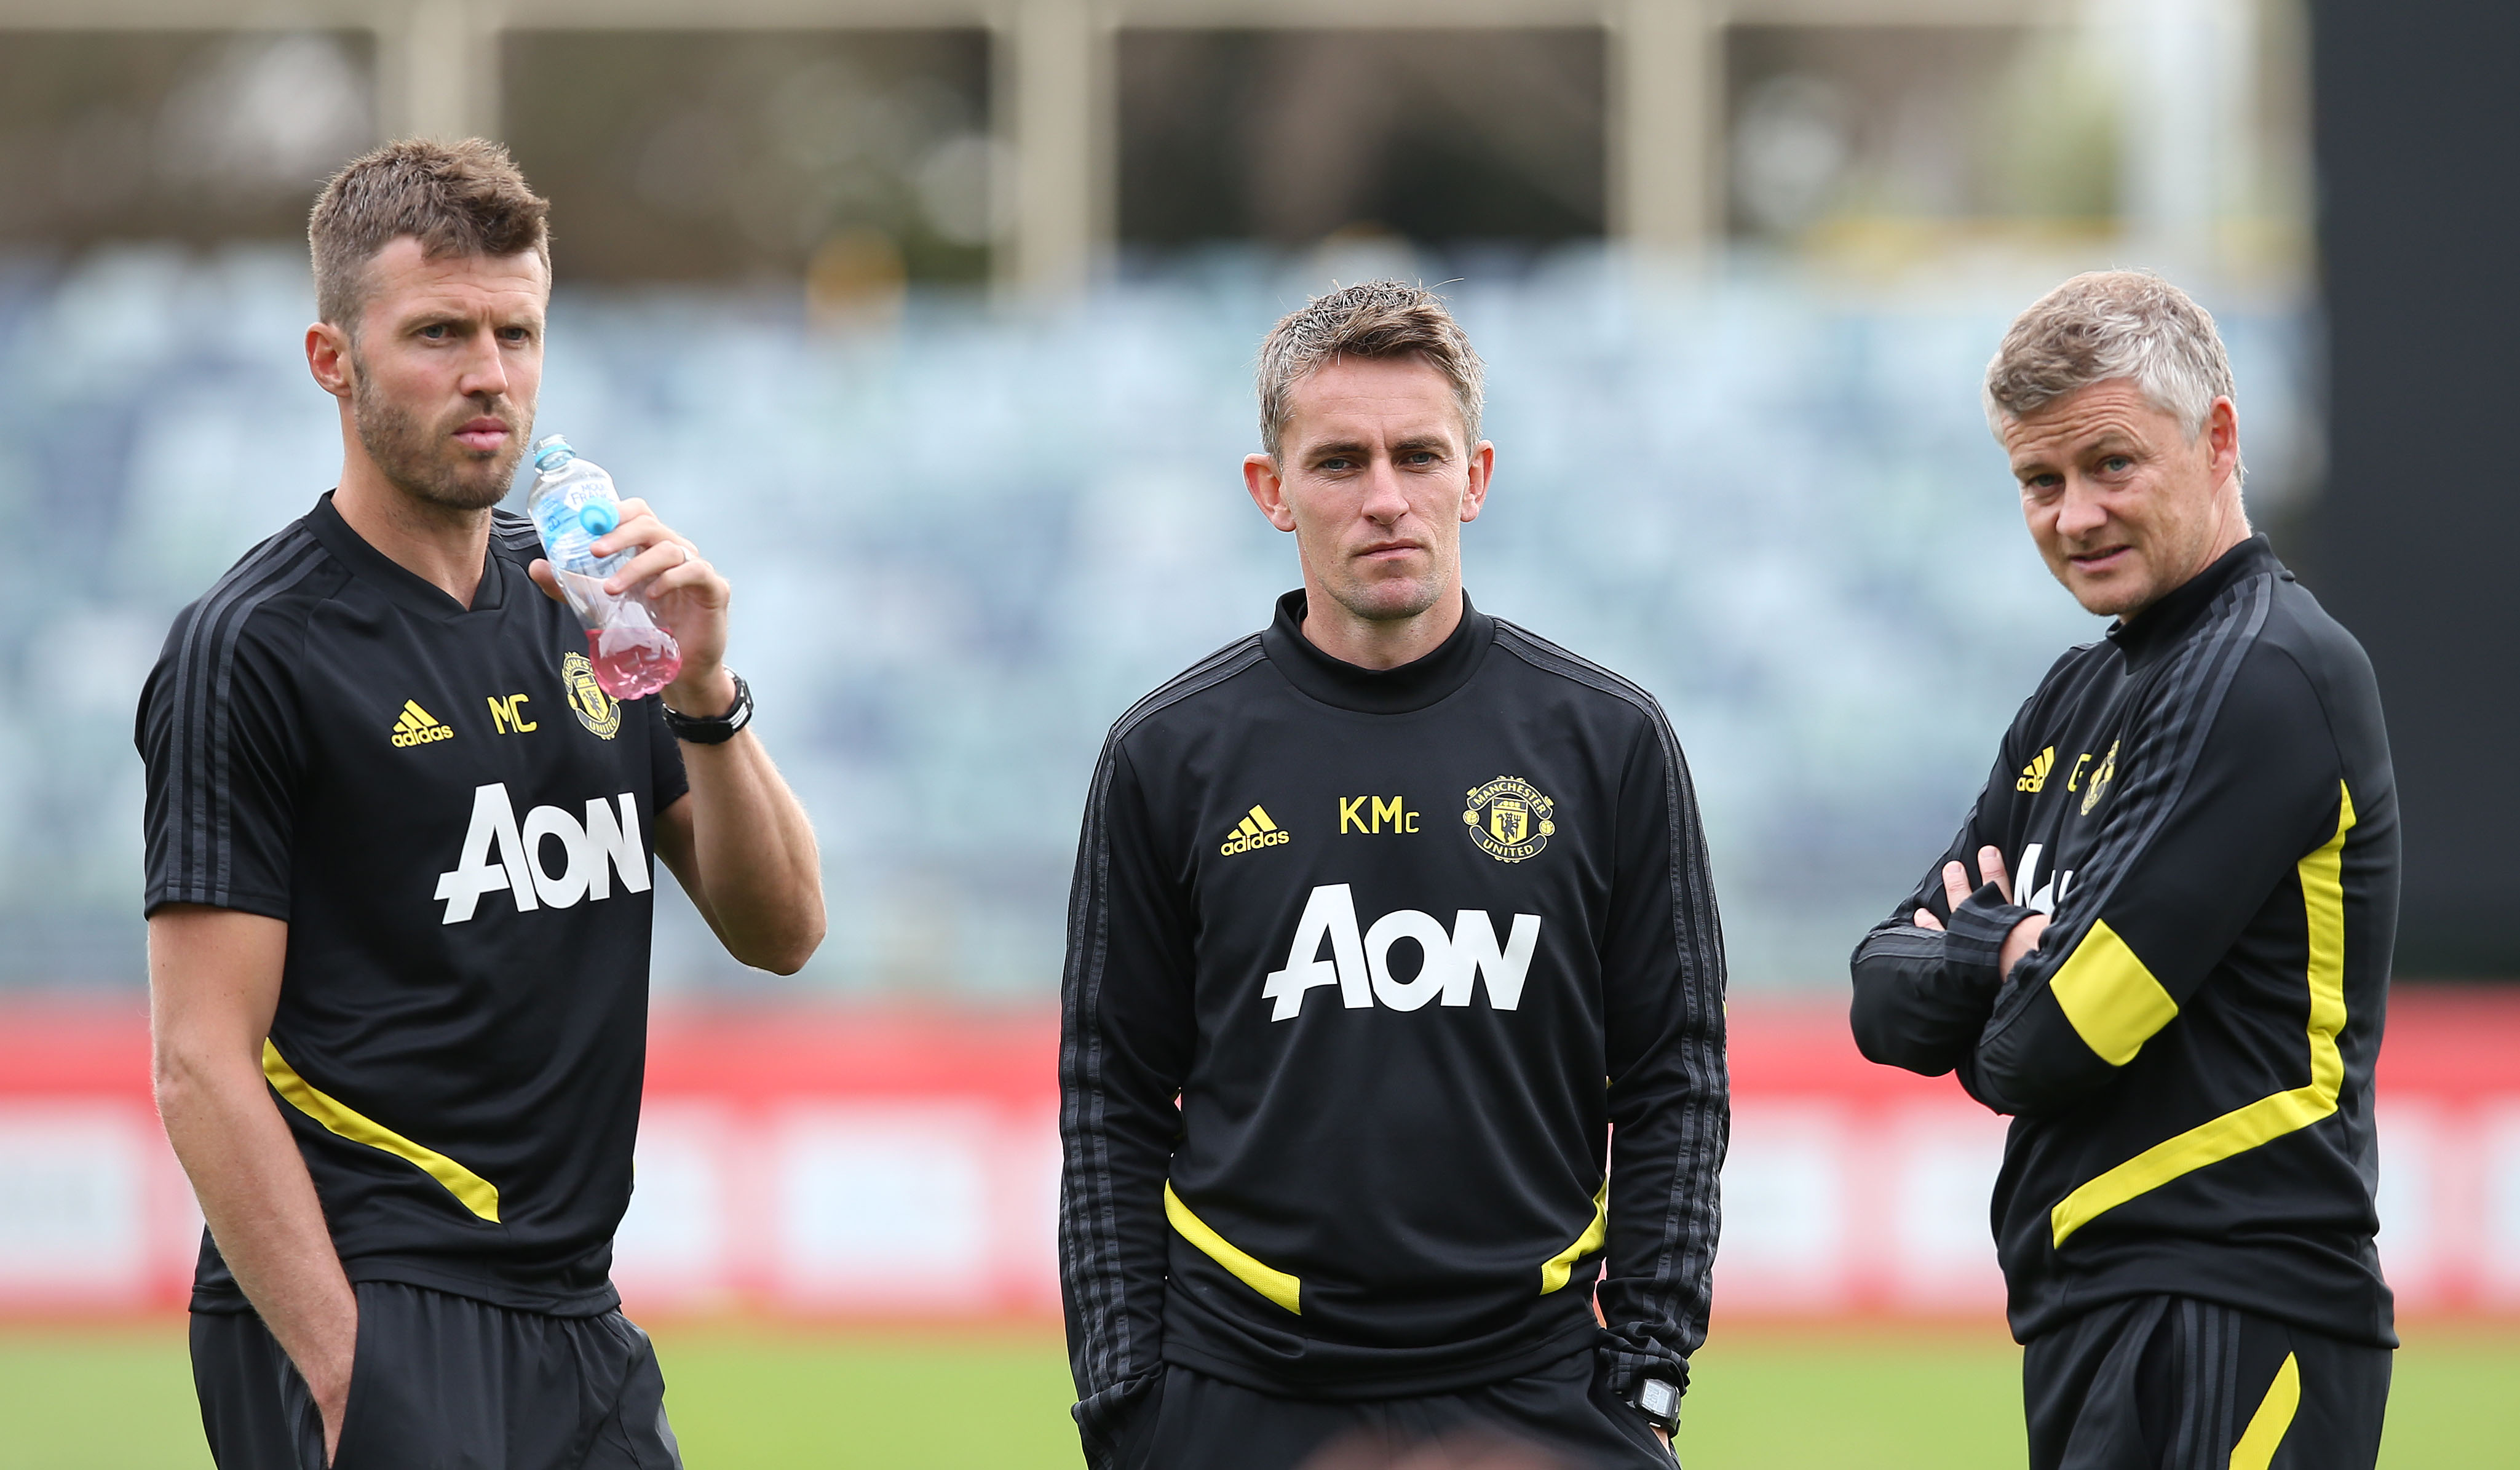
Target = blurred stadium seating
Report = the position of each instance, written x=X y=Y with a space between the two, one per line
x=964 y=539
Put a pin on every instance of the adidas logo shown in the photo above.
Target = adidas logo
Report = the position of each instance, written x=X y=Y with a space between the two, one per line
x=418 y=726
x=1254 y=831
x=2034 y=776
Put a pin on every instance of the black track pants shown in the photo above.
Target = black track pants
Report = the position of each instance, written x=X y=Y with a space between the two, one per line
x=441 y=1382
x=1556 y=1417
x=2172 y=1383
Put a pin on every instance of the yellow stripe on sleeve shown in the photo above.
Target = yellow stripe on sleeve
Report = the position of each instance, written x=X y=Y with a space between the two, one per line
x=2110 y=996
x=473 y=1191
x=1555 y=1273
x=2264 y=1434
x=2322 y=892
x=1275 y=1285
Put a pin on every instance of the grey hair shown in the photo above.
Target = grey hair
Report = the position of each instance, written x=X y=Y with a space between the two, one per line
x=1369 y=319
x=2107 y=325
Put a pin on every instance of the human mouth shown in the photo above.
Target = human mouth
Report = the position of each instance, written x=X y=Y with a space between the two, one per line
x=2100 y=562
x=482 y=436
x=1387 y=551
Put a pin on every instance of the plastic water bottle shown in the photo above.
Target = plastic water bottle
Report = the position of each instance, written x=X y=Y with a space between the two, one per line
x=573 y=503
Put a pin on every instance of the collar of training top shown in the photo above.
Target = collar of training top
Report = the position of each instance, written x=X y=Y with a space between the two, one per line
x=1376 y=691
x=2171 y=614
x=401 y=585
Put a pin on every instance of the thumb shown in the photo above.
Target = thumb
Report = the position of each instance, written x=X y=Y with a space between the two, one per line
x=541 y=572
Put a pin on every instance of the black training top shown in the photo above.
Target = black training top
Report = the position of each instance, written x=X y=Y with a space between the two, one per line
x=456 y=825
x=1351 y=958
x=2204 y=804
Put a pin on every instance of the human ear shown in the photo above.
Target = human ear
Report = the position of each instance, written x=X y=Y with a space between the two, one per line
x=2221 y=438
x=327 y=359
x=1482 y=467
x=1268 y=489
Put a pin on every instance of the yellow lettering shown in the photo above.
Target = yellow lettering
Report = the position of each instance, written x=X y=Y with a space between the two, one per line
x=2073 y=782
x=1390 y=811
x=1408 y=822
x=506 y=718
x=1349 y=814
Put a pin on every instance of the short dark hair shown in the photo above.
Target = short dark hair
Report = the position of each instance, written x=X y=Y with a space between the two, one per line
x=456 y=199
x=1369 y=319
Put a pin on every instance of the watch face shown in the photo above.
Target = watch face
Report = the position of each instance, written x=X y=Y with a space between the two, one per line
x=1657 y=1398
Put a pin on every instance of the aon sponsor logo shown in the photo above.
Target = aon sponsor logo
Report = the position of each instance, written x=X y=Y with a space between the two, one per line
x=501 y=852
x=1450 y=961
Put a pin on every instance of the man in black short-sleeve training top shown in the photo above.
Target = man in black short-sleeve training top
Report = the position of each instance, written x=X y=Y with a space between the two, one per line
x=399 y=874
x=1382 y=919
x=2172 y=964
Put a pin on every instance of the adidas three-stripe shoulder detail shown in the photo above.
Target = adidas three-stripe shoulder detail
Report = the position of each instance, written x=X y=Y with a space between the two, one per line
x=201 y=693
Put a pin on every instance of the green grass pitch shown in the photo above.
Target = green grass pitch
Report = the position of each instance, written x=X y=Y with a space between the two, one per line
x=747 y=1397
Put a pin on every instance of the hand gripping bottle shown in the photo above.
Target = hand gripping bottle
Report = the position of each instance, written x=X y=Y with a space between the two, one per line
x=573 y=503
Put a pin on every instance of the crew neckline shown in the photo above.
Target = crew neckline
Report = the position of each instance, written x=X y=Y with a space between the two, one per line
x=406 y=588
x=1410 y=686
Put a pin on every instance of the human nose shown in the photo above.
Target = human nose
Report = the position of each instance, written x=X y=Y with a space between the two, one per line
x=1384 y=503
x=485 y=369
x=2080 y=511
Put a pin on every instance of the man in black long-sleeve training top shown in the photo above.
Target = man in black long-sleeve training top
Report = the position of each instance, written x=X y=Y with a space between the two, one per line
x=2172 y=967
x=1383 y=918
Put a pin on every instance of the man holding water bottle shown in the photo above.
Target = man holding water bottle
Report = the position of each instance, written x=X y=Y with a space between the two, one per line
x=399 y=854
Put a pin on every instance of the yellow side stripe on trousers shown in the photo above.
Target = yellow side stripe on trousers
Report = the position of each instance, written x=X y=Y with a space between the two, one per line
x=1561 y=1266
x=1275 y=1285
x=2322 y=890
x=2264 y=1434
x=473 y=1191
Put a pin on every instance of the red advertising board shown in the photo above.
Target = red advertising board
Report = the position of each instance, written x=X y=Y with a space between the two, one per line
x=837 y=1162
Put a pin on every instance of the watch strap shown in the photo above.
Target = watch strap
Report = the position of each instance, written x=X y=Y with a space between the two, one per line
x=715 y=729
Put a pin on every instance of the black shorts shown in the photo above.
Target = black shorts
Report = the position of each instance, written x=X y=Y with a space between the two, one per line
x=1558 y=1415
x=2172 y=1383
x=440 y=1380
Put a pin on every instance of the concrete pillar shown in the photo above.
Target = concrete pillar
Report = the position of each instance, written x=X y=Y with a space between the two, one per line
x=437 y=71
x=1052 y=71
x=1666 y=134
x=2187 y=138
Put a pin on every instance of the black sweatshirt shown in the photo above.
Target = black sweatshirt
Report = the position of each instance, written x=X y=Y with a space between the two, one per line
x=1351 y=958
x=2204 y=804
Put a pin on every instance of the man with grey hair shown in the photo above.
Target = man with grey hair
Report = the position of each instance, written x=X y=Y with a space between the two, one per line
x=1369 y=907
x=2171 y=965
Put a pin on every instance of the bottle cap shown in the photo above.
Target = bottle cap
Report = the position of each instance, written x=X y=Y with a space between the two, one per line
x=599 y=518
x=553 y=452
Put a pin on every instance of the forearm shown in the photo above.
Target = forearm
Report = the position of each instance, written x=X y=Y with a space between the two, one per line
x=262 y=1208
x=757 y=875
x=1922 y=995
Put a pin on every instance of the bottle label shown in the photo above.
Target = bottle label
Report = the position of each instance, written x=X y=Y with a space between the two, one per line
x=565 y=538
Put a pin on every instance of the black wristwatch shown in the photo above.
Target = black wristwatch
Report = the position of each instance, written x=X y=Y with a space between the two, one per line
x=714 y=729
x=1658 y=1400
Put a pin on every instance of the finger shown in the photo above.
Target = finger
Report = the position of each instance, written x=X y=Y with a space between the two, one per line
x=1955 y=884
x=662 y=557
x=1990 y=863
x=692 y=576
x=1925 y=919
x=541 y=571
x=642 y=529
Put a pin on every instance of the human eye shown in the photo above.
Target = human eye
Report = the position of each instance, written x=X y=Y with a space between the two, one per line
x=2116 y=464
x=435 y=332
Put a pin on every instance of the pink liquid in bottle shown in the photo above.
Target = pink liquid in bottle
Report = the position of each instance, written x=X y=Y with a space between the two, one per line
x=633 y=663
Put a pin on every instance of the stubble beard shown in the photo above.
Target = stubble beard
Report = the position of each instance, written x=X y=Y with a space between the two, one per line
x=424 y=461
x=1388 y=599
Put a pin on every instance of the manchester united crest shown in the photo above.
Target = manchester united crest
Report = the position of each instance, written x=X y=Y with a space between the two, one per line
x=1510 y=819
x=594 y=709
